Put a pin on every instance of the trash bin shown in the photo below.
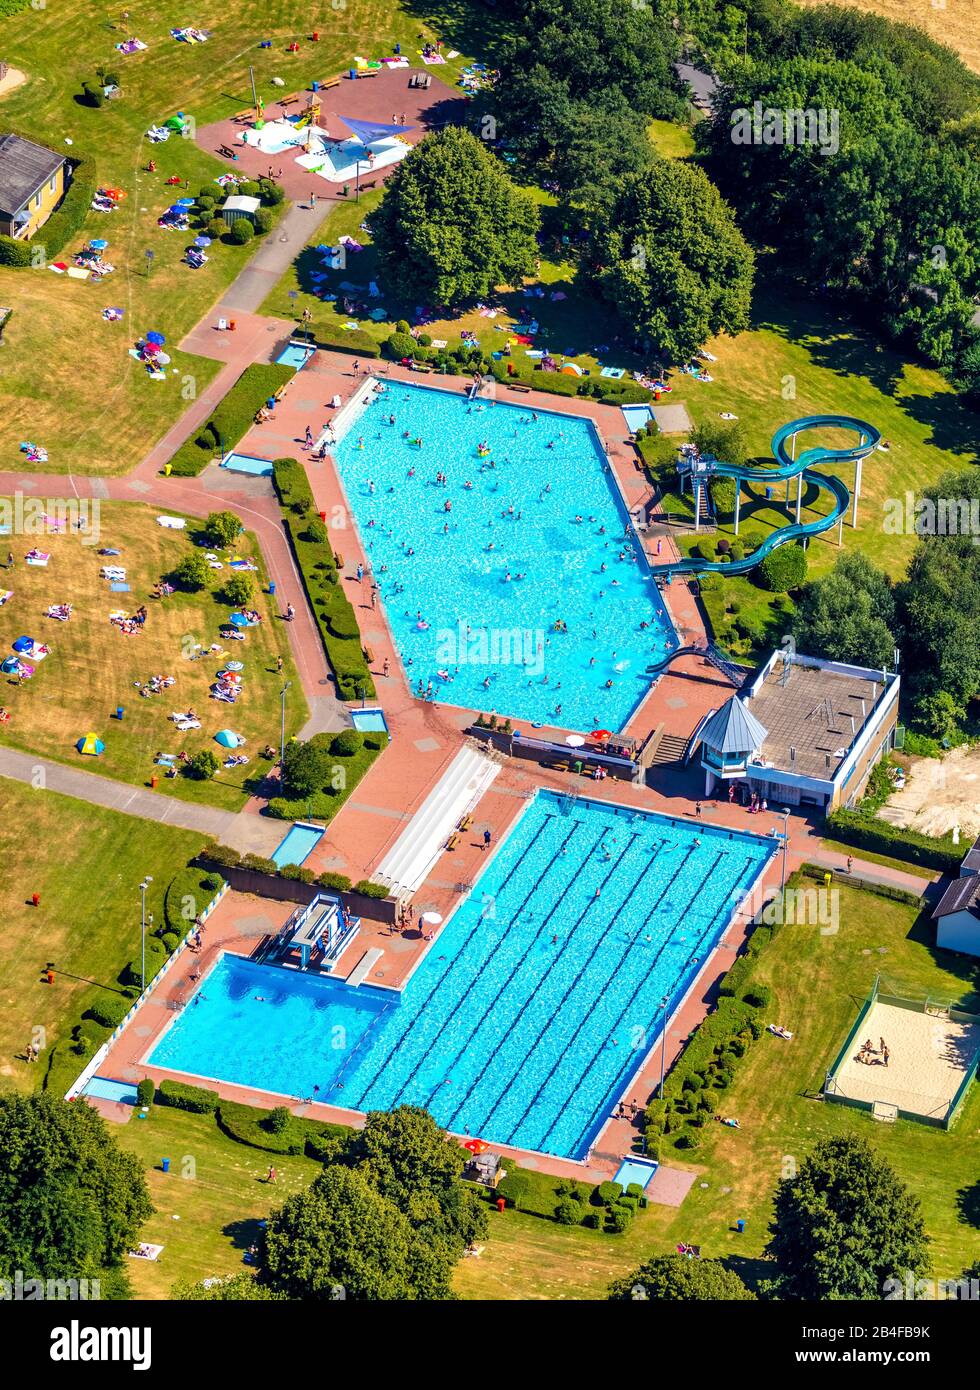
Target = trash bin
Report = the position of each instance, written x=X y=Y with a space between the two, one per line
x=272 y=586
x=167 y=470
x=577 y=765
x=165 y=1164
x=740 y=1225
x=323 y=517
x=352 y=74
x=120 y=711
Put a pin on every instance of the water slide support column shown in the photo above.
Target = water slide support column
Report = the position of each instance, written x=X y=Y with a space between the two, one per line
x=696 y=489
x=857 y=488
x=738 y=499
x=799 y=495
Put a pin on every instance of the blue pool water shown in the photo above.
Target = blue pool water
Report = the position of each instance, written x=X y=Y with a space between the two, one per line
x=370 y=720
x=636 y=416
x=533 y=1007
x=492 y=638
x=635 y=1170
x=297 y=844
x=245 y=463
x=295 y=355
x=121 y=1091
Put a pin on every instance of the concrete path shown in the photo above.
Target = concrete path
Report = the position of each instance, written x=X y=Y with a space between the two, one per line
x=273 y=258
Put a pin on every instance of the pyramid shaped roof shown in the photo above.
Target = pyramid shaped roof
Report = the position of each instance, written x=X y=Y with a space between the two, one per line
x=734 y=729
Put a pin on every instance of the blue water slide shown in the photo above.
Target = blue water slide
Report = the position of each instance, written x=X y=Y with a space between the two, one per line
x=787 y=467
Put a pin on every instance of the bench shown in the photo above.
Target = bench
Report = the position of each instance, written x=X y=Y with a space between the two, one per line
x=523 y=389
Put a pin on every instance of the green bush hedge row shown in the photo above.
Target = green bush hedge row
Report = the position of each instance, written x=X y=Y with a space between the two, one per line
x=189 y=884
x=880 y=837
x=110 y=1009
x=197 y=1099
x=65 y=224
x=332 y=608
x=247 y=1125
x=227 y=858
x=231 y=418
x=352 y=340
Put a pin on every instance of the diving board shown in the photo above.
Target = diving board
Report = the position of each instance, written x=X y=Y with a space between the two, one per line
x=367 y=963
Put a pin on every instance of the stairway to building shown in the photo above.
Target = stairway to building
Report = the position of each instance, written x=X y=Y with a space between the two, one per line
x=672 y=749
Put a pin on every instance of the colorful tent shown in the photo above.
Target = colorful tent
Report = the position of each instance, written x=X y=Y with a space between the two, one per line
x=24 y=644
x=228 y=738
x=90 y=745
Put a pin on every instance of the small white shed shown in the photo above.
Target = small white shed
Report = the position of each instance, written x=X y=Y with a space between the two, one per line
x=957 y=917
x=239 y=205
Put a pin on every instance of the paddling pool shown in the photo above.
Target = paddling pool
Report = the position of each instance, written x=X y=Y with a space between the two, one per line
x=295 y=355
x=370 y=720
x=102 y=1088
x=297 y=845
x=245 y=463
x=636 y=416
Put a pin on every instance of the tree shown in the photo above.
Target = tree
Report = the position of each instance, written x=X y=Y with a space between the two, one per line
x=202 y=767
x=222 y=529
x=193 y=572
x=783 y=568
x=452 y=226
x=672 y=260
x=239 y=590
x=416 y=1165
x=342 y=1239
x=71 y=1201
x=844 y=1225
x=675 y=1278
x=721 y=441
x=307 y=766
x=849 y=614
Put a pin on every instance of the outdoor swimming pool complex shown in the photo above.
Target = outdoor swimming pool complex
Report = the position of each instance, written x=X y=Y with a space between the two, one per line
x=515 y=484
x=532 y=1008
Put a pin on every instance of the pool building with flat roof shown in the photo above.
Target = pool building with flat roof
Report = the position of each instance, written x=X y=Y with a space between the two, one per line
x=802 y=732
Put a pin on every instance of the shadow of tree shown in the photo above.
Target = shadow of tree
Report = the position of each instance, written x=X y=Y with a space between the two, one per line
x=968 y=1204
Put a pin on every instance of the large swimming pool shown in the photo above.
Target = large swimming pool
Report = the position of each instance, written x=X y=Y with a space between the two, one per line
x=533 y=1007
x=514 y=585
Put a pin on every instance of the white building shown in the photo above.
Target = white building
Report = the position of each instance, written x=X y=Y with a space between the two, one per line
x=957 y=917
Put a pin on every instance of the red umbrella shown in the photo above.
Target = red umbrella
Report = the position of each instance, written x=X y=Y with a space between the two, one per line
x=600 y=735
x=476 y=1146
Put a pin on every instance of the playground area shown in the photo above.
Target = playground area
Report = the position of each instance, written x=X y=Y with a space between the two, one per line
x=350 y=129
x=88 y=658
x=907 y=1057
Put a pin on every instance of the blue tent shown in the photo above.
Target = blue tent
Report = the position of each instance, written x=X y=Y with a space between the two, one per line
x=366 y=131
x=23 y=644
x=228 y=738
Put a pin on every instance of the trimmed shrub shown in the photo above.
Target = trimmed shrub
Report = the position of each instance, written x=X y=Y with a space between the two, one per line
x=400 y=345
x=278 y=1120
x=297 y=874
x=334 y=883
x=67 y=222
x=146 y=1091
x=14 y=252
x=110 y=1010
x=233 y=417
x=346 y=744
x=619 y=1219
x=241 y=231
x=592 y=1219
x=202 y=767
x=569 y=1212
x=783 y=568
x=880 y=837
x=609 y=1192
x=197 y=1099
x=222 y=855
x=188 y=893
x=368 y=889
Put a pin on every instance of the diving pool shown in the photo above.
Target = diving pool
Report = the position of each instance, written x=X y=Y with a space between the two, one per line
x=533 y=1008
x=536 y=534
x=297 y=844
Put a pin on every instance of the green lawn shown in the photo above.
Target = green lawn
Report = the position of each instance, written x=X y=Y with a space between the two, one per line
x=86 y=864
x=92 y=665
x=210 y=1203
x=90 y=404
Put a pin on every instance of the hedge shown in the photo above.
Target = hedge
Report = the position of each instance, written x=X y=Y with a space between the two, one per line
x=196 y=884
x=14 y=252
x=880 y=837
x=247 y=1125
x=110 y=1010
x=231 y=418
x=65 y=224
x=318 y=566
x=178 y=1094
x=352 y=340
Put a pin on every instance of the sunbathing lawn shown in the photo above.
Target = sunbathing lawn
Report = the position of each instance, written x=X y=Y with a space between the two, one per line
x=92 y=406
x=92 y=665
x=207 y=1221
x=86 y=864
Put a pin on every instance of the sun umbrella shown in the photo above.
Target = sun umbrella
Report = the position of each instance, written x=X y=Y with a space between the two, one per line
x=184 y=203
x=431 y=919
x=91 y=745
x=476 y=1146
x=233 y=666
x=238 y=620
x=228 y=738
x=575 y=740
x=155 y=337
x=202 y=241
x=151 y=347
x=230 y=677
x=600 y=735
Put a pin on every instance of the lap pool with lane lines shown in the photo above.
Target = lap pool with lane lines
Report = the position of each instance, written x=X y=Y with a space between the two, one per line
x=531 y=1010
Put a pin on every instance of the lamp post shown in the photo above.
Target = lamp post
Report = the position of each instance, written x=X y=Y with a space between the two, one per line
x=143 y=887
x=785 y=815
x=149 y=261
x=282 y=728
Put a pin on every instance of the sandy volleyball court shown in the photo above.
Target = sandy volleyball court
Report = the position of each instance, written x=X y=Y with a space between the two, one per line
x=928 y=1058
x=940 y=795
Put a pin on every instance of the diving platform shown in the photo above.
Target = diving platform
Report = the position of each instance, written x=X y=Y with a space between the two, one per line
x=314 y=936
